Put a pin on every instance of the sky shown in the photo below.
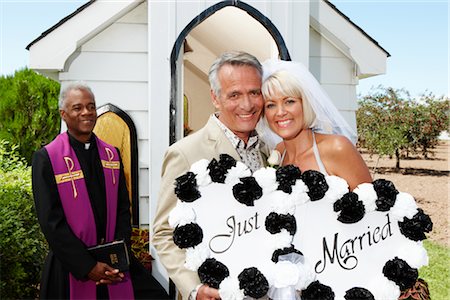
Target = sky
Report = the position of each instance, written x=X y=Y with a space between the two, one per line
x=415 y=33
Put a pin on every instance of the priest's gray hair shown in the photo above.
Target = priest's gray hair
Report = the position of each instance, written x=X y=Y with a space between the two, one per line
x=234 y=58
x=79 y=85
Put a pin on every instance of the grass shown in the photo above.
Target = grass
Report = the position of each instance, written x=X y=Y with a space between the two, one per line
x=437 y=273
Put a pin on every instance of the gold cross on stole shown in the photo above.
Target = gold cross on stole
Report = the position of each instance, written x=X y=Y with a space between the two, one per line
x=70 y=175
x=110 y=164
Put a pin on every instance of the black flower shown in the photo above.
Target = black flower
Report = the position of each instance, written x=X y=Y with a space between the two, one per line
x=386 y=193
x=227 y=161
x=286 y=177
x=317 y=291
x=247 y=191
x=352 y=210
x=275 y=222
x=188 y=235
x=358 y=293
x=401 y=273
x=287 y=250
x=218 y=169
x=212 y=272
x=186 y=187
x=316 y=183
x=416 y=227
x=253 y=282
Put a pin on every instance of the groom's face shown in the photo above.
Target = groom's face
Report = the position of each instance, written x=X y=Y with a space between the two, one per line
x=240 y=101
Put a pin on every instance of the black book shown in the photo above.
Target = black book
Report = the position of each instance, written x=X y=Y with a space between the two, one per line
x=114 y=254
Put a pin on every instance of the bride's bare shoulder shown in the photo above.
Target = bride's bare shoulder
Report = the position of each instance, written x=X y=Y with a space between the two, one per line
x=333 y=143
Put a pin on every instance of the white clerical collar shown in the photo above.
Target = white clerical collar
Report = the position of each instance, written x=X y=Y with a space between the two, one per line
x=86 y=146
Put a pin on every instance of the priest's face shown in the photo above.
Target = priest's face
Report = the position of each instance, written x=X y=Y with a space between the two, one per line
x=79 y=113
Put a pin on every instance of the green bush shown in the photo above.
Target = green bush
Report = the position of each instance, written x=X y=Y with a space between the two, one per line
x=29 y=115
x=9 y=160
x=22 y=245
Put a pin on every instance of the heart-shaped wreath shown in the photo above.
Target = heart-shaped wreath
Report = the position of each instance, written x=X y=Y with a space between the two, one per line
x=286 y=272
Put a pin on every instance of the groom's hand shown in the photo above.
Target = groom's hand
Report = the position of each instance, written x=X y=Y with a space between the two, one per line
x=207 y=293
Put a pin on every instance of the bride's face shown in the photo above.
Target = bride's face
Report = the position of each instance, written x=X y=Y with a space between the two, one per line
x=284 y=115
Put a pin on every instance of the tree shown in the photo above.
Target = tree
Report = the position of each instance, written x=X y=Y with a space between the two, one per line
x=383 y=122
x=29 y=114
x=391 y=123
x=430 y=118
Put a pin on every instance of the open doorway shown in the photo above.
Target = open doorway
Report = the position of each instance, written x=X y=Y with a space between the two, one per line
x=228 y=25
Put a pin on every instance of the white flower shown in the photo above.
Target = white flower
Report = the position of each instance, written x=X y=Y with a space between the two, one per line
x=405 y=206
x=306 y=275
x=195 y=256
x=366 y=194
x=267 y=269
x=299 y=193
x=281 y=203
x=281 y=240
x=414 y=254
x=337 y=187
x=266 y=179
x=181 y=214
x=287 y=274
x=236 y=172
x=274 y=158
x=229 y=289
x=383 y=288
x=200 y=169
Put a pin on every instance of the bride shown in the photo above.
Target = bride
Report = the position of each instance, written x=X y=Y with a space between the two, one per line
x=305 y=126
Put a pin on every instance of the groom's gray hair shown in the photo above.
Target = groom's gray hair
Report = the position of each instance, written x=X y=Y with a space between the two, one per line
x=234 y=58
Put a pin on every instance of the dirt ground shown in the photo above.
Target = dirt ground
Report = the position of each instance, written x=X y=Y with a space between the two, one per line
x=425 y=179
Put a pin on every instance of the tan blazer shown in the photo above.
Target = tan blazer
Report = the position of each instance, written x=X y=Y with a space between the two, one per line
x=207 y=143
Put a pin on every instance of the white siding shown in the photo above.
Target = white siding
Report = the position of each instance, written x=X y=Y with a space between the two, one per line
x=130 y=93
x=143 y=211
x=336 y=73
x=107 y=66
x=119 y=37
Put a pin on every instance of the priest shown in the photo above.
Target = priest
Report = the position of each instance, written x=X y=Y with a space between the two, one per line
x=81 y=201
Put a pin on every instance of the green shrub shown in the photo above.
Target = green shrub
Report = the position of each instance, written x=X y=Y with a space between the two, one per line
x=29 y=115
x=9 y=160
x=22 y=245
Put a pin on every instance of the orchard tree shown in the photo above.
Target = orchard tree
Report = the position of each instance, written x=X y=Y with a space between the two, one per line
x=391 y=123
x=383 y=121
x=430 y=118
x=29 y=116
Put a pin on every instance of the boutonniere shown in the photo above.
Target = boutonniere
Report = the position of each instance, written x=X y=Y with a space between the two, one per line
x=274 y=159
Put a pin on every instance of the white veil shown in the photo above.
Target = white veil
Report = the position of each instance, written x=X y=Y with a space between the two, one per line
x=328 y=119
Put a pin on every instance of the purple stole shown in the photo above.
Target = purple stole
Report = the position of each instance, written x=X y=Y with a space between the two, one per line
x=77 y=206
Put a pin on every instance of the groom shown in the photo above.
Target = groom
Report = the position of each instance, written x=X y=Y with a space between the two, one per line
x=235 y=79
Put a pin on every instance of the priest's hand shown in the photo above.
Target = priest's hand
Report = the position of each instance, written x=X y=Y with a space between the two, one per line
x=102 y=273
